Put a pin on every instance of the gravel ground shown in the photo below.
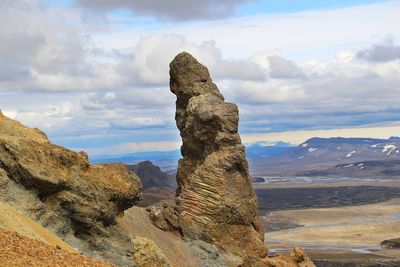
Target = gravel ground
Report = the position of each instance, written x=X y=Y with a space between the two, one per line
x=17 y=251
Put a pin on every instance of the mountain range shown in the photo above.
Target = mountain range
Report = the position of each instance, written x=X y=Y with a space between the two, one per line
x=326 y=153
x=350 y=157
x=167 y=160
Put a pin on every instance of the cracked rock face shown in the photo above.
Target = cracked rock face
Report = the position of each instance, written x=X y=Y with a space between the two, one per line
x=61 y=190
x=215 y=200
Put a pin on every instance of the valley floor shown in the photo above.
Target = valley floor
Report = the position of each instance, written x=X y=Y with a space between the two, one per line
x=349 y=230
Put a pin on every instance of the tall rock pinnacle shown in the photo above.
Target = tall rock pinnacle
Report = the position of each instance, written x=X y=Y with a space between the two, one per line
x=215 y=200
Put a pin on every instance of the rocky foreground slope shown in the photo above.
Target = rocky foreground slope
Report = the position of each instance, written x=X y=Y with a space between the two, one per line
x=19 y=250
x=63 y=192
x=213 y=220
x=14 y=221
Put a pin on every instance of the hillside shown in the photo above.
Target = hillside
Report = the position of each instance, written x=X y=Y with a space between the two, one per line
x=15 y=221
x=157 y=185
x=152 y=176
x=19 y=251
x=363 y=169
x=324 y=153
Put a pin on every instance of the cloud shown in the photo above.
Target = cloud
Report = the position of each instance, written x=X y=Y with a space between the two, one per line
x=42 y=50
x=169 y=9
x=281 y=68
x=341 y=92
x=306 y=35
x=298 y=137
x=149 y=64
x=385 y=52
x=58 y=76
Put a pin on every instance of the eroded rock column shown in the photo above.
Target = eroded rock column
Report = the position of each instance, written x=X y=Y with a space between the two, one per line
x=215 y=201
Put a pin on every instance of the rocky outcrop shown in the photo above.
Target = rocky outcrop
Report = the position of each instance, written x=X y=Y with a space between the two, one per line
x=215 y=200
x=148 y=254
x=61 y=190
x=295 y=258
x=391 y=243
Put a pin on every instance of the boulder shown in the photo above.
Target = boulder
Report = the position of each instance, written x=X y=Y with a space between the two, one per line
x=61 y=190
x=391 y=243
x=148 y=254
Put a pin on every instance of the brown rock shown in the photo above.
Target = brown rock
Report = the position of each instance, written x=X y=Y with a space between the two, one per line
x=296 y=258
x=215 y=202
x=391 y=243
x=148 y=254
x=64 y=192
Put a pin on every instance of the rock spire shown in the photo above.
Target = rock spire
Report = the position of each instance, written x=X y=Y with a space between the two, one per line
x=215 y=200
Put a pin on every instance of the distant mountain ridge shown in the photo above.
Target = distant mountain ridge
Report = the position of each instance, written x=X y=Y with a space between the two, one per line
x=157 y=185
x=167 y=160
x=152 y=176
x=259 y=150
x=316 y=155
x=378 y=168
x=323 y=153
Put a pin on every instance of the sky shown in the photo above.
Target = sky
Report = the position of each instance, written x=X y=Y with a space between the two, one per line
x=93 y=74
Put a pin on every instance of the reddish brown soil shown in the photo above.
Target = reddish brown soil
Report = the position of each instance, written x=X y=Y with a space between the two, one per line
x=17 y=251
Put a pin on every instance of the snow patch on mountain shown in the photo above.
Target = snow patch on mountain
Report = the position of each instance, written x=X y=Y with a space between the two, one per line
x=389 y=149
x=350 y=154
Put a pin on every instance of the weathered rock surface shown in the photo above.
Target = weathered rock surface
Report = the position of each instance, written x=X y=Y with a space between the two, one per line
x=148 y=254
x=215 y=200
x=296 y=258
x=179 y=252
x=63 y=192
x=391 y=243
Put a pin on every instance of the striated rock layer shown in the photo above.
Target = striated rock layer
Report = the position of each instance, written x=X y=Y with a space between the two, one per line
x=215 y=201
x=63 y=192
